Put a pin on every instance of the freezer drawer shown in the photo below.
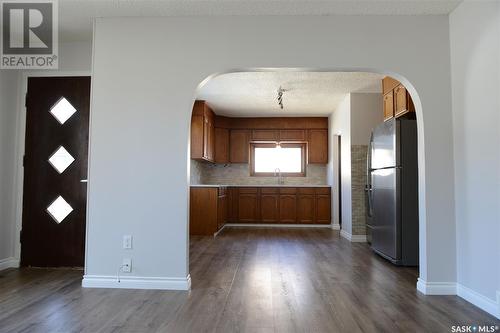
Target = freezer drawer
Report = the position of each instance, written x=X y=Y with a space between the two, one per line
x=386 y=231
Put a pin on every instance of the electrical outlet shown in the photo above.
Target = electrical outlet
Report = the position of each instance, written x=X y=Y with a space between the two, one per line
x=127 y=265
x=127 y=242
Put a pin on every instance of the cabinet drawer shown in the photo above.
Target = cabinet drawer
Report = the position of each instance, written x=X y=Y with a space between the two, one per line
x=269 y=190
x=288 y=190
x=306 y=190
x=247 y=190
x=322 y=190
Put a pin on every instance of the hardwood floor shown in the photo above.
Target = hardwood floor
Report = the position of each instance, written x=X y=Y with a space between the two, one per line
x=251 y=280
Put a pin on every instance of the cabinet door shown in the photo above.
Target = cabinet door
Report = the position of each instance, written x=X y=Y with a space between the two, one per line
x=221 y=211
x=388 y=105
x=248 y=205
x=323 y=208
x=305 y=208
x=232 y=203
x=269 y=208
x=209 y=137
x=288 y=208
x=318 y=146
x=238 y=146
x=292 y=135
x=221 y=145
x=264 y=135
x=400 y=99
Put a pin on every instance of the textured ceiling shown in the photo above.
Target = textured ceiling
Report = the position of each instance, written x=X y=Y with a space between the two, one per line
x=75 y=16
x=248 y=94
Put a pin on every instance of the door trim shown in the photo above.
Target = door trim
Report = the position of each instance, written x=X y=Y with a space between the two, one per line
x=20 y=145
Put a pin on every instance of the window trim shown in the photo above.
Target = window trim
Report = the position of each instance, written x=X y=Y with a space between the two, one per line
x=301 y=145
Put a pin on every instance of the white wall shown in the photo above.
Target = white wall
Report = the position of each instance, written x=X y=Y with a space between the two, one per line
x=354 y=120
x=475 y=57
x=8 y=120
x=340 y=125
x=366 y=114
x=145 y=76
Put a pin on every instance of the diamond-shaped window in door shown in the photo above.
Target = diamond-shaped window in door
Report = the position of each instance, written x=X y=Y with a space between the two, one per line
x=59 y=209
x=61 y=159
x=62 y=110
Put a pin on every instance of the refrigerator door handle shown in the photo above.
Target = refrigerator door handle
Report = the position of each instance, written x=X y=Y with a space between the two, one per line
x=369 y=206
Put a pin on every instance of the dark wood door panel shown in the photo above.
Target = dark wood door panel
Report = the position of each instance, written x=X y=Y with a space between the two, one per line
x=48 y=239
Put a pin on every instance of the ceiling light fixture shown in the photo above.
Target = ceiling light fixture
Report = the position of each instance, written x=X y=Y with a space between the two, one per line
x=280 y=97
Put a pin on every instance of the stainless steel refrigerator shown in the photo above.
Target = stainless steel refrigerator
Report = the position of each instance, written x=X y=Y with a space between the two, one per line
x=392 y=191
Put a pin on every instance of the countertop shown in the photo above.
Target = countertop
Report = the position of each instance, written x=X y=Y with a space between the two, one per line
x=270 y=185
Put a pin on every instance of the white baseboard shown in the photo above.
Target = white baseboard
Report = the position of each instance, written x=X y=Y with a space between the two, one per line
x=482 y=302
x=136 y=282
x=9 y=263
x=269 y=225
x=436 y=288
x=353 y=238
x=335 y=226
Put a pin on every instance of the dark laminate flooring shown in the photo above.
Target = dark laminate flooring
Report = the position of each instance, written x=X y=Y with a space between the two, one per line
x=245 y=280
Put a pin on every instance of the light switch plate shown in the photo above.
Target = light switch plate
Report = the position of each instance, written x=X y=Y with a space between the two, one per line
x=127 y=242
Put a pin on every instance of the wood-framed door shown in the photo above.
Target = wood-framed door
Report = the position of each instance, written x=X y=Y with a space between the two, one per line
x=55 y=171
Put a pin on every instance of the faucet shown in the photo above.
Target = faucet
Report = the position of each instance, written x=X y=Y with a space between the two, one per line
x=277 y=171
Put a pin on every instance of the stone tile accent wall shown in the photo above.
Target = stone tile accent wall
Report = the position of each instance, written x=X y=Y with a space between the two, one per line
x=239 y=174
x=358 y=181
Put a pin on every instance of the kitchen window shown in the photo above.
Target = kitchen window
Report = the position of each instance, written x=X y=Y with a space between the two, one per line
x=268 y=159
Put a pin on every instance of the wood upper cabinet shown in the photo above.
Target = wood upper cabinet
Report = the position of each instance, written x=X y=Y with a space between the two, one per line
x=397 y=100
x=239 y=146
x=305 y=206
x=388 y=105
x=388 y=84
x=248 y=205
x=265 y=135
x=318 y=146
x=202 y=132
x=400 y=101
x=221 y=145
x=323 y=205
x=292 y=135
x=269 y=205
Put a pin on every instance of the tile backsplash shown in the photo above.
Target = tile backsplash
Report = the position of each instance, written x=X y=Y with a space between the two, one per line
x=358 y=181
x=239 y=174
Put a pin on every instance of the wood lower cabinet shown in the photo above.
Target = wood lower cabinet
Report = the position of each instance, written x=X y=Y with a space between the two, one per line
x=211 y=207
x=204 y=210
x=288 y=208
x=323 y=205
x=305 y=206
x=248 y=205
x=269 y=205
